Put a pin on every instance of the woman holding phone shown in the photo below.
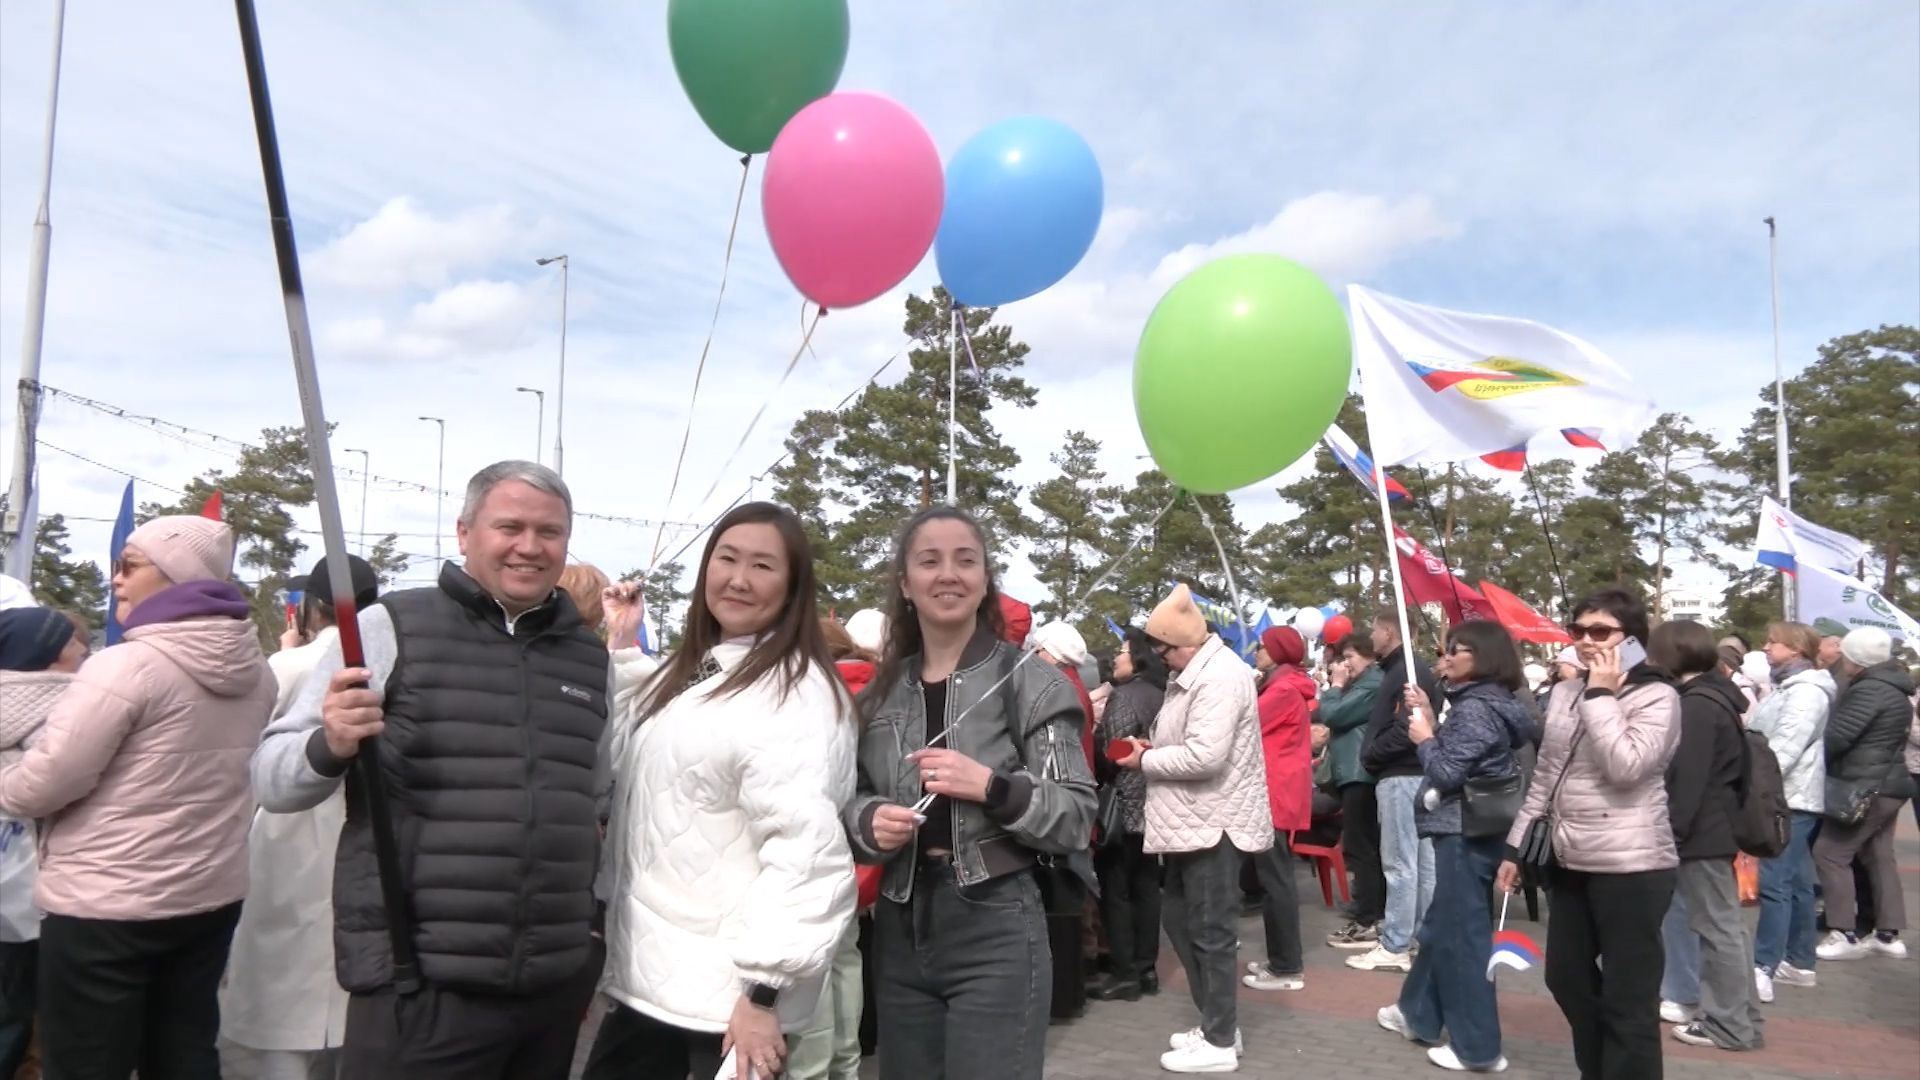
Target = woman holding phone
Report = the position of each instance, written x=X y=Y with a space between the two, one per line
x=970 y=770
x=1600 y=786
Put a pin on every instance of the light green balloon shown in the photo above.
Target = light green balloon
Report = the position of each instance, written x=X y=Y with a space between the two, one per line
x=1243 y=365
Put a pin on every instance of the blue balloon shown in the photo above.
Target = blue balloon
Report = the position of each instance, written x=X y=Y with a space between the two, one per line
x=1023 y=205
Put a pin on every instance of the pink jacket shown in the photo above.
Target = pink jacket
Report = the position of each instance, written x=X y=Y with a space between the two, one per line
x=1610 y=816
x=141 y=773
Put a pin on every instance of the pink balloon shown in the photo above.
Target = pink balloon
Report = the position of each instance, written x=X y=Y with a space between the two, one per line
x=852 y=197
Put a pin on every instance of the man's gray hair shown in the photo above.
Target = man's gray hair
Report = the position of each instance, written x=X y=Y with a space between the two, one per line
x=535 y=476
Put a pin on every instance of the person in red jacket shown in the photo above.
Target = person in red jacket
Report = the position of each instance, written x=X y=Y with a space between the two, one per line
x=1286 y=701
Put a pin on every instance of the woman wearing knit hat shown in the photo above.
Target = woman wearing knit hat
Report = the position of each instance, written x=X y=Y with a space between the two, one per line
x=1286 y=703
x=958 y=715
x=140 y=777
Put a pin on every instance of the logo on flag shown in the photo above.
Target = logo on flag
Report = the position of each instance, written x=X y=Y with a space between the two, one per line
x=1491 y=379
x=1512 y=949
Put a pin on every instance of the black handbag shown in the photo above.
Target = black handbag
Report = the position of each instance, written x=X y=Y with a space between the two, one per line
x=1535 y=851
x=1488 y=805
x=1847 y=801
x=1109 y=818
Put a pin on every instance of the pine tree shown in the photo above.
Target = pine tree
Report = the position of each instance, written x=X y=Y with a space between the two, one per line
x=1178 y=548
x=1665 y=489
x=1331 y=549
x=1074 y=534
x=59 y=581
x=807 y=482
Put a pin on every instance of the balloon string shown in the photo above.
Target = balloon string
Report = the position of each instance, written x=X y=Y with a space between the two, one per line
x=726 y=267
x=762 y=410
x=991 y=693
x=1233 y=589
x=965 y=334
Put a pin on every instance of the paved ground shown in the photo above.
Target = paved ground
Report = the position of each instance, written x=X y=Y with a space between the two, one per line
x=1862 y=1021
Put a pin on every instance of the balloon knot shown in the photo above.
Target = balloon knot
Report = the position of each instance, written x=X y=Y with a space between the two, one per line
x=746 y=160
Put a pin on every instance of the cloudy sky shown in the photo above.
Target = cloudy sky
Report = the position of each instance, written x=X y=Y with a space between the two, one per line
x=1603 y=168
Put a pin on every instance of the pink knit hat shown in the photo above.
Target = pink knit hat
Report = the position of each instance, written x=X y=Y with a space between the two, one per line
x=186 y=548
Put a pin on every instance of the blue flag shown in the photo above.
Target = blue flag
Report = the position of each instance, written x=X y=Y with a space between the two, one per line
x=1224 y=622
x=1115 y=627
x=122 y=528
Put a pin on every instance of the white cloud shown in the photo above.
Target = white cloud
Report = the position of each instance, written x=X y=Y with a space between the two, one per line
x=404 y=246
x=1340 y=235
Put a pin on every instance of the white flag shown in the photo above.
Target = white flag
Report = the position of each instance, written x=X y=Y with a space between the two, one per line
x=1825 y=594
x=1446 y=386
x=1787 y=541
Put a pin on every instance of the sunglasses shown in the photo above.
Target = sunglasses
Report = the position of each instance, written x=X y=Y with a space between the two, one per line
x=1459 y=650
x=1592 y=631
x=122 y=567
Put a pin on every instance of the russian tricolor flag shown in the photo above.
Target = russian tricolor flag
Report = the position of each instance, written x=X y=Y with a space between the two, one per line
x=1514 y=458
x=1348 y=453
x=1512 y=949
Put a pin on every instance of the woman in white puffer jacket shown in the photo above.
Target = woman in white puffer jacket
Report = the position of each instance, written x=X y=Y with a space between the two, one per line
x=731 y=878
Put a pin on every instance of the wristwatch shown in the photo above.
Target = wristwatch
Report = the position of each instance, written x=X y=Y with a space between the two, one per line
x=762 y=996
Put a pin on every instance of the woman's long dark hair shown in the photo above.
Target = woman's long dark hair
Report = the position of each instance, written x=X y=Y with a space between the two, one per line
x=1147 y=665
x=787 y=648
x=903 y=622
x=1495 y=658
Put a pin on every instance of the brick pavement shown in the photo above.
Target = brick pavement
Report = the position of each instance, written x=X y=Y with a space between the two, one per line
x=1862 y=1021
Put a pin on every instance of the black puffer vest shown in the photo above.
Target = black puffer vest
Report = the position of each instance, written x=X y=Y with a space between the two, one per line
x=489 y=758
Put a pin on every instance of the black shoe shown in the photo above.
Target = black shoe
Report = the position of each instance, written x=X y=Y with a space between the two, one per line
x=1114 y=990
x=1150 y=983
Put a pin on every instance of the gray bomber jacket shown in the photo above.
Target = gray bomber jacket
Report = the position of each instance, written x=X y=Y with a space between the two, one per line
x=1051 y=804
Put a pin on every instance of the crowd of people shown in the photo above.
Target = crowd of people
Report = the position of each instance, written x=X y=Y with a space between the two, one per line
x=926 y=832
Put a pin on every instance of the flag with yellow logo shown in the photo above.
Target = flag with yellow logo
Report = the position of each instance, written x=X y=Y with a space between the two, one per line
x=1446 y=386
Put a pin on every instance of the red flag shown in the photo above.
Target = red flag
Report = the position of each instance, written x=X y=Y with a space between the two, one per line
x=1524 y=623
x=1019 y=619
x=1425 y=579
x=213 y=507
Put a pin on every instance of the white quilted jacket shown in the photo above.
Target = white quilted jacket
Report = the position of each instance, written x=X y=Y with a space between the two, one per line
x=729 y=860
x=1205 y=774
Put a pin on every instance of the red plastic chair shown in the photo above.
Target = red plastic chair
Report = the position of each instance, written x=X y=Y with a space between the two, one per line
x=1331 y=864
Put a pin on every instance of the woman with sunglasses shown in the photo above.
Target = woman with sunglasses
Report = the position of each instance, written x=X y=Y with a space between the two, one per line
x=732 y=885
x=970 y=769
x=1600 y=787
x=1486 y=727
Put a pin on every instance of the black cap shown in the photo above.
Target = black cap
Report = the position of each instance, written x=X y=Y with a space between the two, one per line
x=366 y=583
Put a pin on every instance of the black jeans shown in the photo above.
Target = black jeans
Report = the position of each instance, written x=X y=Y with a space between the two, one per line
x=1280 y=908
x=1605 y=957
x=119 y=995
x=1360 y=840
x=442 y=1034
x=965 y=978
x=19 y=975
x=634 y=1046
x=1130 y=906
x=1201 y=905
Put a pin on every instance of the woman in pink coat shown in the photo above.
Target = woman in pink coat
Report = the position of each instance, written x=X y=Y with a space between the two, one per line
x=139 y=779
x=1286 y=707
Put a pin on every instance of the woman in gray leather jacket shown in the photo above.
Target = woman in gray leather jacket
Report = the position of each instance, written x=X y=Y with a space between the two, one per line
x=970 y=771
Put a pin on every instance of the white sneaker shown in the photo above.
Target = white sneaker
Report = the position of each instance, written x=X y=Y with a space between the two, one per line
x=1394 y=1020
x=1837 y=946
x=1675 y=1013
x=1201 y=1057
x=1183 y=1039
x=1262 y=977
x=1763 y=985
x=1379 y=959
x=1894 y=949
x=1444 y=1057
x=1788 y=975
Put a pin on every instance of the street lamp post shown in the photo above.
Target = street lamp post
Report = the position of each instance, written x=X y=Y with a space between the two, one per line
x=439 y=491
x=540 y=430
x=560 y=393
x=366 y=476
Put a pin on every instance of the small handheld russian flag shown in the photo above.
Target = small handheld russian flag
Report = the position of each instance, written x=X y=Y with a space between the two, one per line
x=1511 y=948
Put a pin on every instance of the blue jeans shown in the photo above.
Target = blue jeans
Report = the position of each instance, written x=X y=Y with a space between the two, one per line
x=1406 y=859
x=1786 y=901
x=1681 y=981
x=1448 y=986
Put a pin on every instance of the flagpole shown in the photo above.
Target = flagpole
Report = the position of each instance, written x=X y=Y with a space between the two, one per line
x=16 y=549
x=372 y=779
x=953 y=404
x=1781 y=453
x=1386 y=530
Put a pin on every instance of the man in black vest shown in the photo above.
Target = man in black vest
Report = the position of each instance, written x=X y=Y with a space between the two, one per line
x=489 y=695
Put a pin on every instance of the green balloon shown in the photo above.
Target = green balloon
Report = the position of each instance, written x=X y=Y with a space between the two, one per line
x=749 y=65
x=1242 y=367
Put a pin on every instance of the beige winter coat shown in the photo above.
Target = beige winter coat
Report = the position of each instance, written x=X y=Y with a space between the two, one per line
x=140 y=774
x=1610 y=816
x=1206 y=774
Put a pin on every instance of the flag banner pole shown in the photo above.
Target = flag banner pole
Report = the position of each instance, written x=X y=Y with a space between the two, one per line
x=406 y=974
x=1386 y=533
